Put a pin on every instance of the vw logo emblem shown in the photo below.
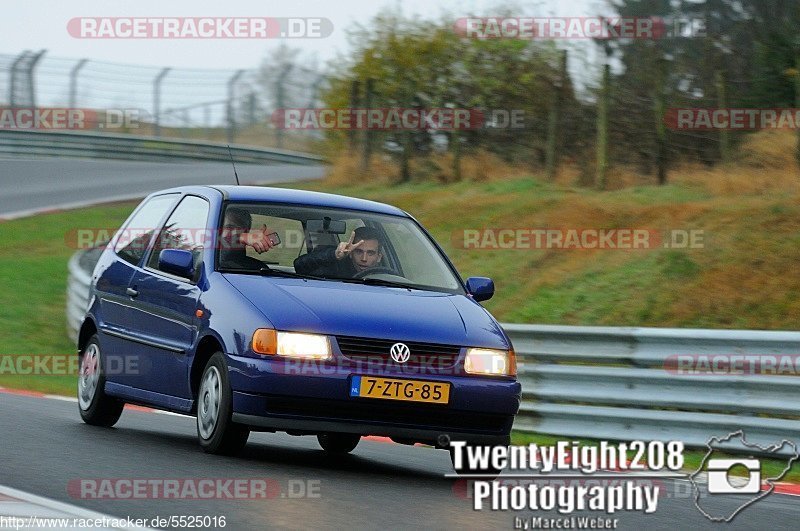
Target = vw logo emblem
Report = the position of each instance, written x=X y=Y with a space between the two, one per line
x=400 y=352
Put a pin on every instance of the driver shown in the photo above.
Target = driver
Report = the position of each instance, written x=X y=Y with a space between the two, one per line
x=236 y=236
x=346 y=259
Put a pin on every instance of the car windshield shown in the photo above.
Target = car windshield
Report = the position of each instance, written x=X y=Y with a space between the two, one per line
x=331 y=244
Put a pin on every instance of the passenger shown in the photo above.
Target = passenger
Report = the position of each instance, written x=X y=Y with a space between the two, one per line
x=346 y=259
x=236 y=236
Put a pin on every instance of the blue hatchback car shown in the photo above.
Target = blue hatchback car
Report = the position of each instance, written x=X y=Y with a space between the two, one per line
x=264 y=309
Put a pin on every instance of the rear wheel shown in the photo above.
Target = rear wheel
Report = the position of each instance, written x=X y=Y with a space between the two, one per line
x=217 y=433
x=96 y=408
x=338 y=443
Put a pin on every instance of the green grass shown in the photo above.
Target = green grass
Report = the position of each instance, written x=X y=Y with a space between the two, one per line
x=33 y=264
x=736 y=279
x=692 y=457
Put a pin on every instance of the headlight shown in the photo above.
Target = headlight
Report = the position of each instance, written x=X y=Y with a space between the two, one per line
x=491 y=362
x=291 y=344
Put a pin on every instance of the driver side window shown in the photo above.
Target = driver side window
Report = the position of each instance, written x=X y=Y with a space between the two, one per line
x=133 y=239
x=185 y=229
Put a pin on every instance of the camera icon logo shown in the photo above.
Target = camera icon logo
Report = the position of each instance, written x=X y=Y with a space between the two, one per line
x=721 y=482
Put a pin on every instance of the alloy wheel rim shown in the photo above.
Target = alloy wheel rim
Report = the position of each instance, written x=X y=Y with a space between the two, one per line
x=208 y=403
x=89 y=377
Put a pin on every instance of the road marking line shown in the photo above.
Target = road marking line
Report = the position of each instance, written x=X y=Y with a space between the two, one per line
x=62 y=398
x=377 y=439
x=162 y=412
x=9 y=216
x=31 y=500
x=21 y=392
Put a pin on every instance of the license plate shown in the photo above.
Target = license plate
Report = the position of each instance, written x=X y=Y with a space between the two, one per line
x=406 y=390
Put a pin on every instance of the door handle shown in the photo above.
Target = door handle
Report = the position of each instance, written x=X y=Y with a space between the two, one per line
x=132 y=292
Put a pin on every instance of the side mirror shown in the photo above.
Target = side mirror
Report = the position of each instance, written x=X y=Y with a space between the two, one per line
x=179 y=262
x=481 y=288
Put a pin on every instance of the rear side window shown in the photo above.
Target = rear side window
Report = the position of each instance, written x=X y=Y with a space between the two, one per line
x=132 y=241
x=185 y=229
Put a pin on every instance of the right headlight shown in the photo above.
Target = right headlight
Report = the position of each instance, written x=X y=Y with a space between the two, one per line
x=491 y=362
x=291 y=344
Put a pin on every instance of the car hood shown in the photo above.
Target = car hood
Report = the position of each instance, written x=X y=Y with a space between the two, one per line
x=338 y=308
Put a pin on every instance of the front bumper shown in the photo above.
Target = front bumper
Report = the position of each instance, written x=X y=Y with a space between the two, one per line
x=268 y=396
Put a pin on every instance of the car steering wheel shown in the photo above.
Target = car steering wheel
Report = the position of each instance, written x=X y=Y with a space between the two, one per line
x=375 y=271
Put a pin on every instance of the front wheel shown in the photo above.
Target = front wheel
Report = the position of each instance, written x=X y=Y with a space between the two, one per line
x=338 y=443
x=95 y=406
x=217 y=433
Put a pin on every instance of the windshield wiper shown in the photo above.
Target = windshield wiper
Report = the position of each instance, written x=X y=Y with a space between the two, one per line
x=379 y=282
x=266 y=271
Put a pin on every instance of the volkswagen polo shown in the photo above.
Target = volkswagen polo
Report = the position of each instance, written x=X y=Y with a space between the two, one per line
x=264 y=309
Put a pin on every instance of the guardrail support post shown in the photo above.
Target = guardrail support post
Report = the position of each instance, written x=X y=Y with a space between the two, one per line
x=229 y=109
x=366 y=147
x=355 y=89
x=554 y=118
x=12 y=95
x=280 y=100
x=157 y=101
x=22 y=73
x=602 y=129
x=73 y=83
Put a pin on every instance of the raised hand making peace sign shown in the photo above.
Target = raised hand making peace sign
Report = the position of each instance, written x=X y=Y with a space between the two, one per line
x=345 y=248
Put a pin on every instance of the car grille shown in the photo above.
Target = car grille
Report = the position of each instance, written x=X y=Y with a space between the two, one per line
x=366 y=350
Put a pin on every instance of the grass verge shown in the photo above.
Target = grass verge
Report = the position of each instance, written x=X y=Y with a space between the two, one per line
x=33 y=283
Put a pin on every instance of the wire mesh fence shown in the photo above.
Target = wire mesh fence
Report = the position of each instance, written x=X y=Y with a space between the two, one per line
x=207 y=104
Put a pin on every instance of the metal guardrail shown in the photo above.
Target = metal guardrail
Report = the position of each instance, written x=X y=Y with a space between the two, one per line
x=613 y=383
x=82 y=144
x=621 y=384
x=79 y=278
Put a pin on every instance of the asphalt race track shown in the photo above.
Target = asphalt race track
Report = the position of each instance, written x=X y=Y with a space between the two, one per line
x=30 y=186
x=381 y=485
x=47 y=448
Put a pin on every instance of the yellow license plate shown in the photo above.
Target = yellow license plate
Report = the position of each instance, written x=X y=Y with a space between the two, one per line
x=407 y=390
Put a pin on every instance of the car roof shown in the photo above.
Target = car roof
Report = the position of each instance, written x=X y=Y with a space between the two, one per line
x=290 y=196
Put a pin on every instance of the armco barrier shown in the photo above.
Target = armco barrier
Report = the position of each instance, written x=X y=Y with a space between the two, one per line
x=37 y=143
x=613 y=383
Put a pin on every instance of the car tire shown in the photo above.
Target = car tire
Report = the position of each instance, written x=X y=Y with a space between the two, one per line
x=338 y=443
x=95 y=406
x=217 y=433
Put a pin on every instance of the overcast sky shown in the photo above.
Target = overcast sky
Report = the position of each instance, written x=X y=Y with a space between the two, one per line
x=43 y=24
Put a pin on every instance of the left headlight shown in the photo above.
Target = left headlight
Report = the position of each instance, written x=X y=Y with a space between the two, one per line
x=491 y=362
x=291 y=344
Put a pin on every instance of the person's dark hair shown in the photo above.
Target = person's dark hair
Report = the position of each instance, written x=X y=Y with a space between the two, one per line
x=241 y=217
x=368 y=233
